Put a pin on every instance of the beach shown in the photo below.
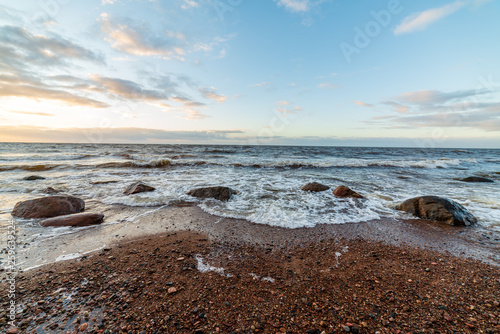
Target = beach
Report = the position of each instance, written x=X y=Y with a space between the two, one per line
x=271 y=259
x=207 y=274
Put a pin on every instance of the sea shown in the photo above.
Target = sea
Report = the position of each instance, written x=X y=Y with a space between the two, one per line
x=267 y=179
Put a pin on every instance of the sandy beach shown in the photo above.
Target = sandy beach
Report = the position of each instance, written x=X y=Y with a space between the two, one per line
x=181 y=270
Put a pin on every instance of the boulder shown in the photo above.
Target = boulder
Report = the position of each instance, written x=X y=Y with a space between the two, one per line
x=50 y=206
x=220 y=193
x=137 y=187
x=314 y=187
x=438 y=209
x=344 y=192
x=50 y=191
x=476 y=179
x=33 y=178
x=76 y=220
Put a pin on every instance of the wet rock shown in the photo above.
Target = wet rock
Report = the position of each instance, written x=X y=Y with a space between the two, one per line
x=438 y=209
x=314 y=187
x=33 y=178
x=78 y=219
x=220 y=193
x=50 y=191
x=343 y=192
x=103 y=182
x=47 y=207
x=138 y=187
x=476 y=179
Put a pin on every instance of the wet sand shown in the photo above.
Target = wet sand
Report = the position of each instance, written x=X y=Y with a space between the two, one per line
x=133 y=222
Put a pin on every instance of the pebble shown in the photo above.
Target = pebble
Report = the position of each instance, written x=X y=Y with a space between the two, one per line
x=172 y=290
x=84 y=327
x=347 y=329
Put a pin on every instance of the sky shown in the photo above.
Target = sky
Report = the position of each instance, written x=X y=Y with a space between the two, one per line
x=251 y=72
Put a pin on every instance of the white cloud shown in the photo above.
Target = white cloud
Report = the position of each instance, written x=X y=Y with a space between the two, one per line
x=363 y=104
x=328 y=85
x=211 y=93
x=140 y=41
x=189 y=4
x=295 y=5
x=420 y=21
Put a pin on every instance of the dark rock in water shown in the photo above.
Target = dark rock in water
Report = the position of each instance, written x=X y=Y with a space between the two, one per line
x=33 y=178
x=137 y=187
x=343 y=192
x=476 y=179
x=314 y=187
x=50 y=206
x=50 y=191
x=438 y=209
x=76 y=220
x=220 y=193
x=103 y=182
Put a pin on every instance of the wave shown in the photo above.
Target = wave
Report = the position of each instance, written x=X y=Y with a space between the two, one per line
x=29 y=168
x=159 y=163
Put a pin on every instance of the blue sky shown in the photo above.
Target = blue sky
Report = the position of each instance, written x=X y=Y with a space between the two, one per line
x=293 y=72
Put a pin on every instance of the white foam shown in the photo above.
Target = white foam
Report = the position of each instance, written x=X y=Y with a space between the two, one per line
x=65 y=257
x=204 y=268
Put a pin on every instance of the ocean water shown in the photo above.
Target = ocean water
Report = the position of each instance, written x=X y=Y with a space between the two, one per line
x=267 y=178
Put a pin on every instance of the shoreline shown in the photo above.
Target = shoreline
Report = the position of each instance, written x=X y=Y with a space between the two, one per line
x=130 y=223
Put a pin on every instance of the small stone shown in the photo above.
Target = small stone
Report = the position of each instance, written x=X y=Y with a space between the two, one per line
x=347 y=329
x=12 y=330
x=172 y=290
x=446 y=316
x=33 y=178
x=83 y=327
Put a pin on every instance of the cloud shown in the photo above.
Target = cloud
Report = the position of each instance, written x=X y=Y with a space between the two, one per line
x=431 y=109
x=189 y=4
x=398 y=107
x=141 y=41
x=328 y=85
x=30 y=113
x=263 y=84
x=420 y=21
x=426 y=97
x=363 y=104
x=285 y=108
x=295 y=5
x=113 y=135
x=211 y=93
x=108 y=2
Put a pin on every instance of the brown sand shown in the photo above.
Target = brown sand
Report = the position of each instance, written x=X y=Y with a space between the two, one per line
x=152 y=285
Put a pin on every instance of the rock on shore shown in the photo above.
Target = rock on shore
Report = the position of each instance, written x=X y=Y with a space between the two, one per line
x=314 y=187
x=220 y=193
x=438 y=209
x=138 y=187
x=76 y=220
x=344 y=192
x=47 y=207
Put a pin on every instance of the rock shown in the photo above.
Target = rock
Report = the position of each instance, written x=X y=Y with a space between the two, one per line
x=343 y=192
x=137 y=187
x=314 y=187
x=33 y=178
x=50 y=191
x=84 y=326
x=171 y=290
x=47 y=207
x=476 y=179
x=12 y=330
x=103 y=182
x=78 y=219
x=220 y=193
x=438 y=209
